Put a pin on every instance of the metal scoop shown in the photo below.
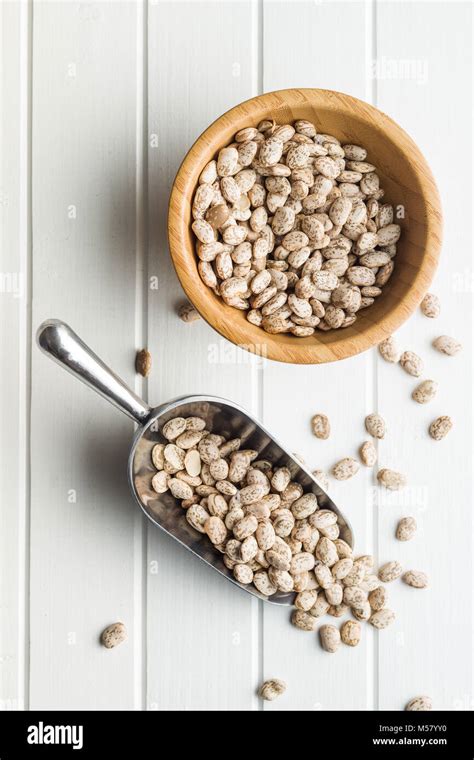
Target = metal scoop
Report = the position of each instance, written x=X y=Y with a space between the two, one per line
x=57 y=340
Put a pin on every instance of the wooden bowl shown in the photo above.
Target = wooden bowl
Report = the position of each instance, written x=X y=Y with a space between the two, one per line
x=408 y=184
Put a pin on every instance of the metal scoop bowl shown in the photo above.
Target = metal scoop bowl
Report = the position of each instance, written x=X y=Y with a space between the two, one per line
x=59 y=342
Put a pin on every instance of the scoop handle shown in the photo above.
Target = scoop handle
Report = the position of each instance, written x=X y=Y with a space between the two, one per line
x=60 y=343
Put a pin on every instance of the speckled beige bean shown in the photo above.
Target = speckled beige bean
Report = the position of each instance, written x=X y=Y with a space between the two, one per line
x=338 y=610
x=243 y=573
x=330 y=638
x=411 y=363
x=326 y=551
x=275 y=324
x=389 y=350
x=440 y=427
x=243 y=135
x=447 y=345
x=361 y=276
x=425 y=392
x=431 y=306
x=259 y=300
x=305 y=600
x=354 y=152
x=368 y=453
x=273 y=500
x=227 y=161
x=188 y=439
x=281 y=479
x=270 y=151
x=230 y=189
x=283 y=522
x=292 y=492
x=275 y=305
x=343 y=549
x=334 y=594
x=354 y=596
x=320 y=607
x=204 y=231
x=217 y=505
x=325 y=280
x=215 y=529
x=322 y=518
x=346 y=468
x=390 y=571
x=391 y=479
x=265 y=535
x=232 y=549
x=209 y=173
x=208 y=450
x=374 y=259
x=384 y=274
x=299 y=306
x=173 y=428
x=370 y=582
x=187 y=313
x=279 y=556
x=415 y=578
x=159 y=482
x=262 y=583
x=113 y=635
x=229 y=447
x=295 y=240
x=272 y=689
x=347 y=297
x=303 y=582
x=304 y=620
x=305 y=506
x=283 y=220
x=259 y=509
x=233 y=516
x=217 y=216
x=261 y=281
x=389 y=234
x=301 y=562
x=207 y=274
x=297 y=157
x=351 y=633
x=334 y=317
x=234 y=234
x=406 y=528
x=180 y=489
x=419 y=704
x=363 y=612
x=313 y=227
x=340 y=210
x=281 y=579
x=197 y=516
x=378 y=598
x=252 y=493
x=219 y=469
x=342 y=568
x=245 y=527
x=375 y=425
x=382 y=619
x=157 y=455
x=323 y=575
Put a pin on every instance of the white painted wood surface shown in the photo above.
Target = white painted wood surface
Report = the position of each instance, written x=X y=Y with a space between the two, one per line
x=100 y=102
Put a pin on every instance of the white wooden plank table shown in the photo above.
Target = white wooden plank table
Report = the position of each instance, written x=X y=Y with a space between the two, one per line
x=101 y=100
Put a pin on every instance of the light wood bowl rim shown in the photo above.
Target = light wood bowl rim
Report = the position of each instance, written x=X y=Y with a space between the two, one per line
x=222 y=317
